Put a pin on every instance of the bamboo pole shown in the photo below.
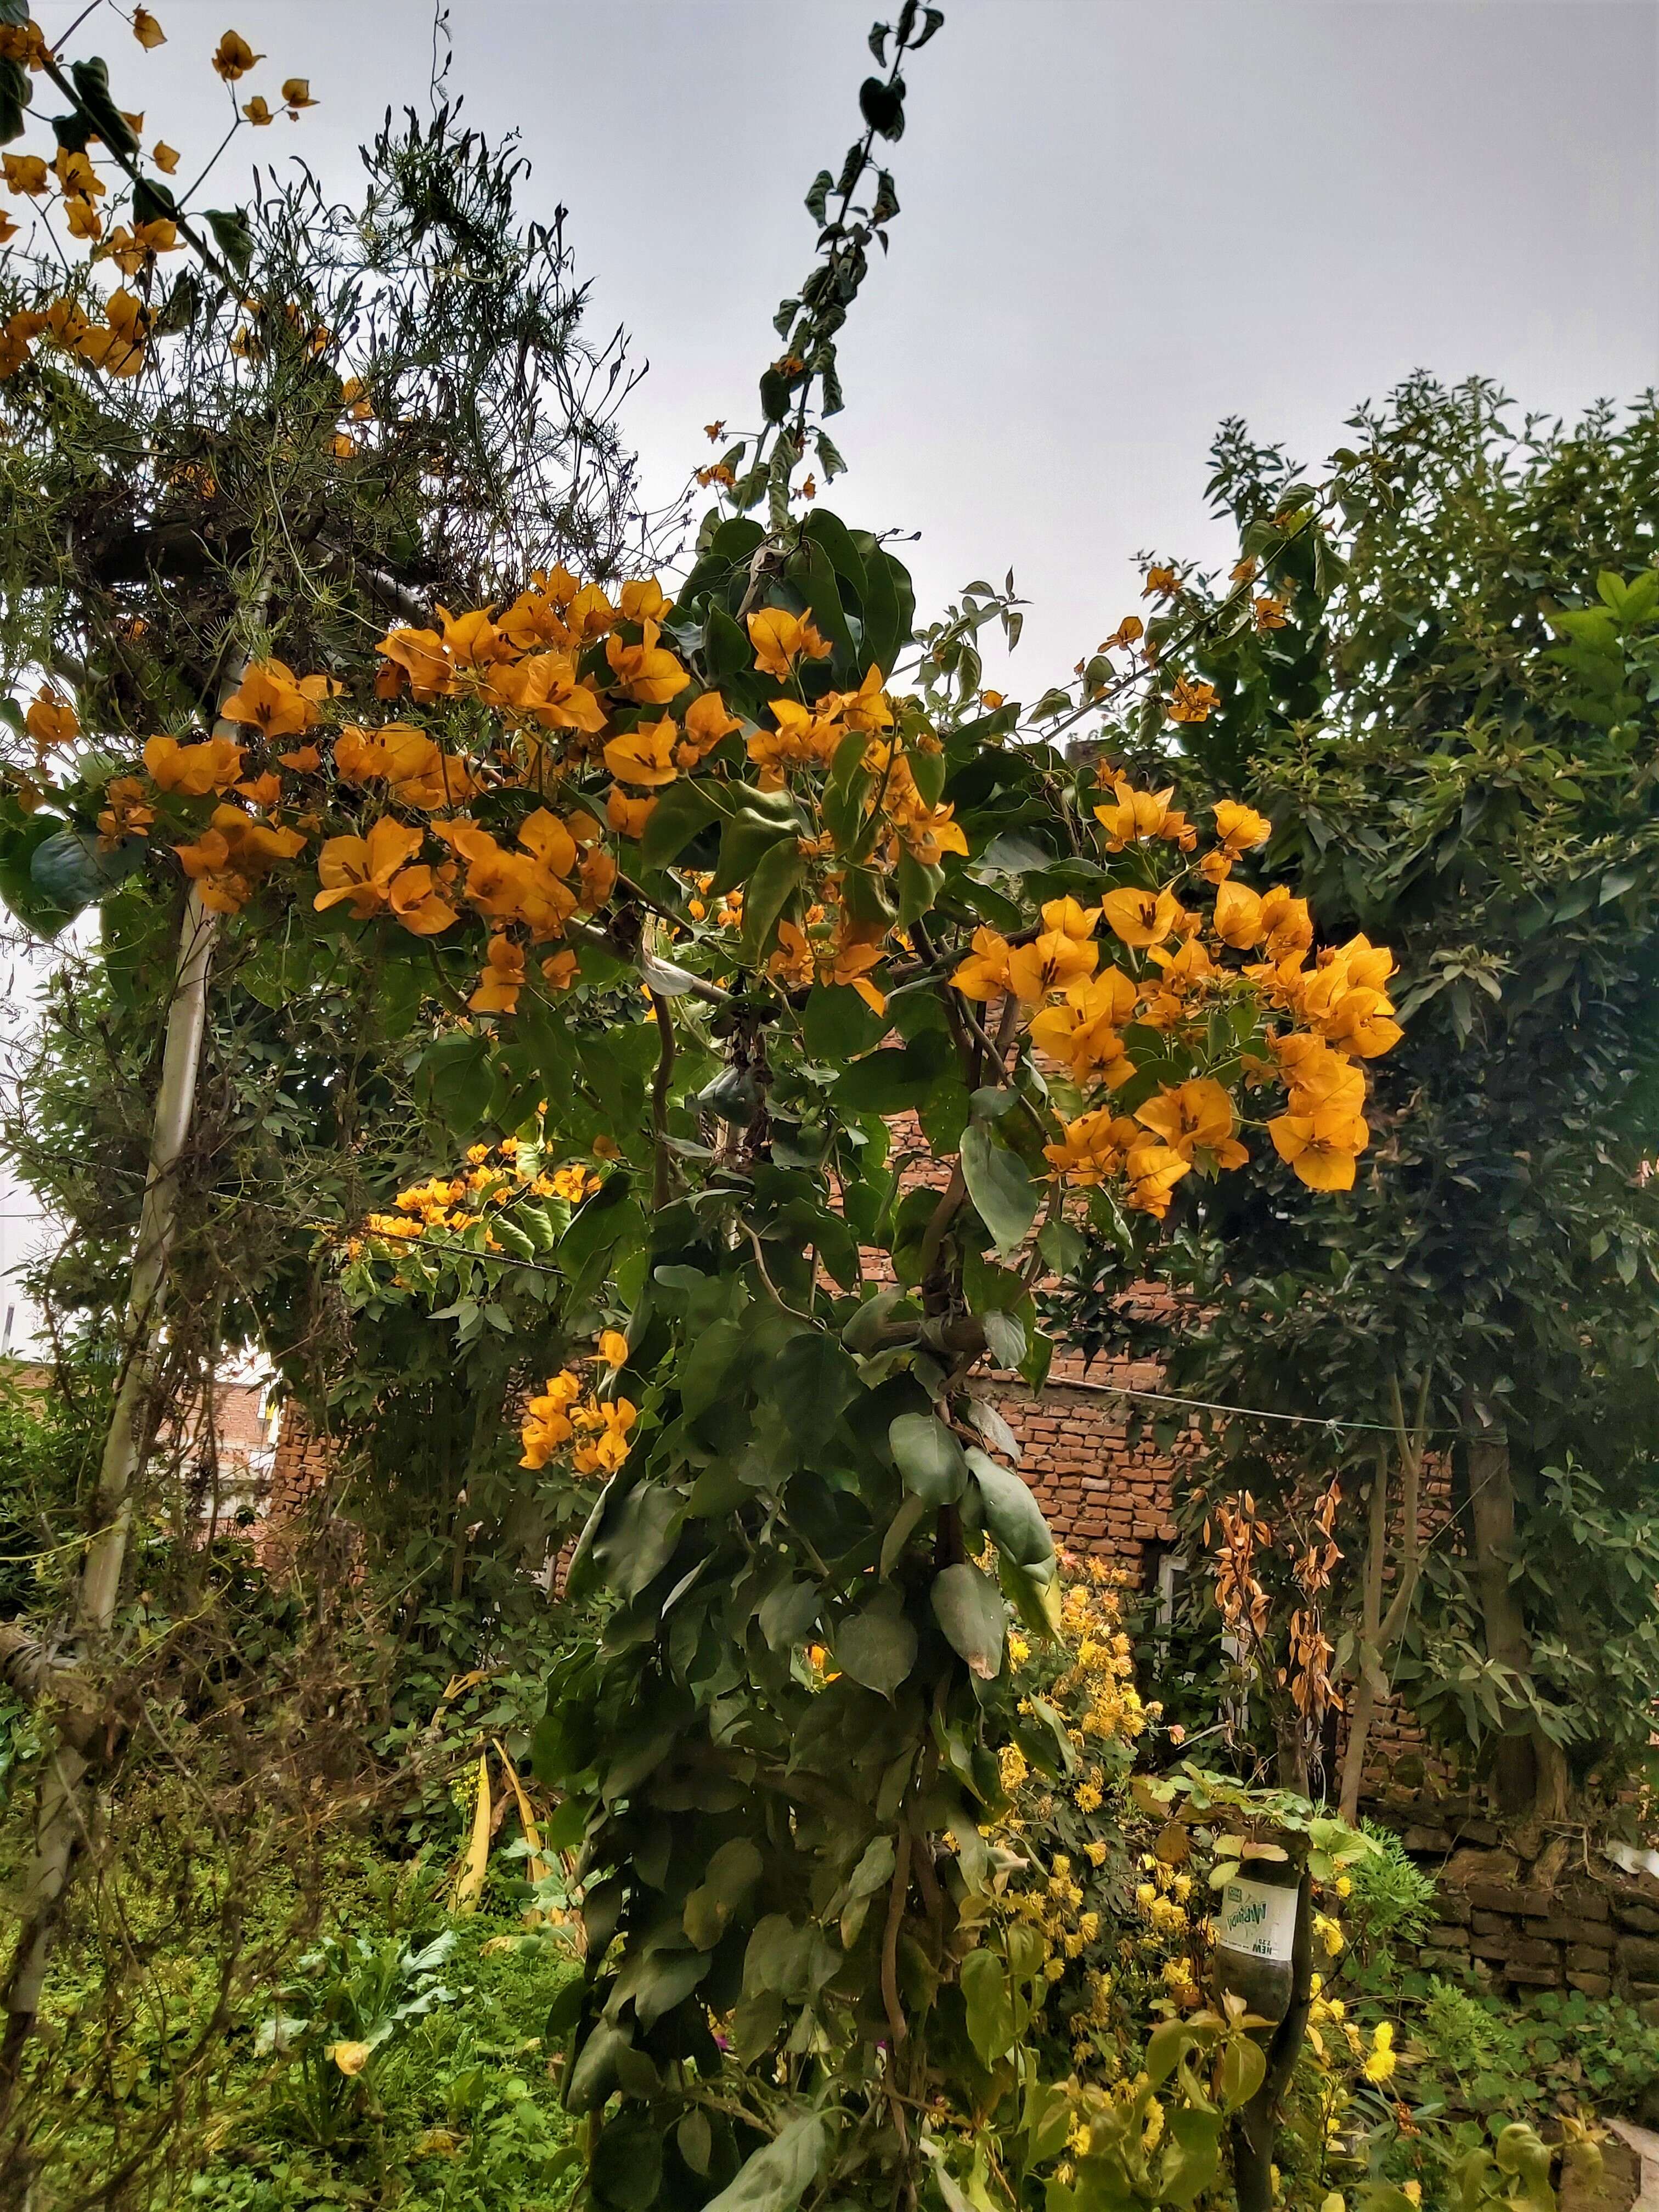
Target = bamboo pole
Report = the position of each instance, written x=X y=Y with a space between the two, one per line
x=62 y=1815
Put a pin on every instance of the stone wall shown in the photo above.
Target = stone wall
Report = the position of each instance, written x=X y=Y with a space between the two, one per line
x=1558 y=1917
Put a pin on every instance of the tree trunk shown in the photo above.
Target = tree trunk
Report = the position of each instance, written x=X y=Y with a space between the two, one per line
x=1525 y=1783
x=64 y=1810
x=1370 y=1636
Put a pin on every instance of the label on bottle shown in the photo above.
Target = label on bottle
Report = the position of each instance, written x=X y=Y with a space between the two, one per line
x=1259 y=1921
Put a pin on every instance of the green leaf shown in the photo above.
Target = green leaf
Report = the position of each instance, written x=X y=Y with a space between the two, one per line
x=1192 y=2157
x=930 y=1461
x=1005 y=1196
x=1012 y=1514
x=746 y=840
x=877 y=1646
x=590 y=2081
x=777 y=874
x=969 y=1607
x=990 y=2009
x=91 y=80
x=882 y=106
x=625 y=2170
x=1242 y=2070
x=232 y=235
x=1166 y=2046
x=73 y=871
x=455 y=1077
x=777 y=2176
x=683 y=809
x=16 y=91
x=837 y=1025
x=732 y=1874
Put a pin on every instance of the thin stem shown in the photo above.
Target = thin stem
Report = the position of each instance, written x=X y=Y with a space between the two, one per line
x=662 y=1163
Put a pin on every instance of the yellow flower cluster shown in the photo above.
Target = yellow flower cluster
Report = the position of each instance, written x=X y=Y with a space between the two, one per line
x=568 y=1412
x=494 y=1177
x=1175 y=971
x=1098 y=1685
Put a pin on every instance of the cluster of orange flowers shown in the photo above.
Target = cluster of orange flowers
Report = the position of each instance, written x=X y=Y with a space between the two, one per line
x=568 y=1413
x=118 y=342
x=1077 y=1011
x=578 y=683
x=507 y=1175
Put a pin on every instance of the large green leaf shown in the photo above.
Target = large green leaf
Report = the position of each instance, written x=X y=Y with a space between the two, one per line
x=969 y=1607
x=683 y=809
x=779 y=2174
x=877 y=1646
x=1192 y=2158
x=1011 y=1513
x=990 y=2009
x=837 y=1025
x=732 y=1874
x=930 y=1463
x=776 y=874
x=1005 y=1196
x=625 y=2170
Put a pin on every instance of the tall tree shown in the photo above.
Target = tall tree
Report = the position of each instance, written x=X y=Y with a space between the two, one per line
x=1437 y=672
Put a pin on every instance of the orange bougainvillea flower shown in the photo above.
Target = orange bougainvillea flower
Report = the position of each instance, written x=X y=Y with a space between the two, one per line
x=550 y=840
x=125 y=814
x=304 y=760
x=545 y=689
x=1084 y=1029
x=471 y=640
x=547 y=1419
x=271 y=699
x=1154 y=1171
x=984 y=973
x=647 y=673
x=25 y=173
x=231 y=854
x=613 y=1347
x=1142 y=917
x=1237 y=916
x=165 y=157
x=416 y=904
x=1321 y=1147
x=503 y=979
x=560 y=970
x=1161 y=582
x=76 y=178
x=706 y=722
x=233 y=56
x=644 y=755
x=257 y=112
x=1239 y=827
x=1065 y=953
x=628 y=817
x=644 y=602
x=1196 y=1119
x=1192 y=702
x=193 y=770
x=424 y=659
x=1138 y=814
x=145 y=28
x=609 y=1447
x=360 y=869
x=297 y=95
x=51 y=719
x=780 y=638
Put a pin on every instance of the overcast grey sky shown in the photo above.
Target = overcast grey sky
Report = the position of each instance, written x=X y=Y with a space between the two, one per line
x=1123 y=220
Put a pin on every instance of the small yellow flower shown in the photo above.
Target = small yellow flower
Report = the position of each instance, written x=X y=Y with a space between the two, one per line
x=1383 y=2058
